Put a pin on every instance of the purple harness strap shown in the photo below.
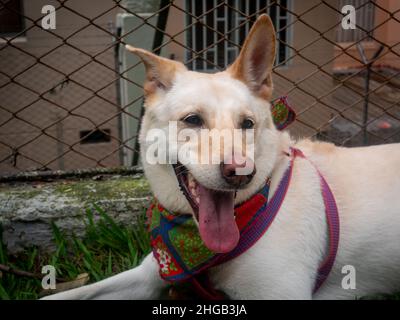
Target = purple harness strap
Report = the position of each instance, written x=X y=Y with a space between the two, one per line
x=332 y=218
x=261 y=224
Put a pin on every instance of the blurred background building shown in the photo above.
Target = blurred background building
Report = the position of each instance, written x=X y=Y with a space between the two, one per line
x=71 y=98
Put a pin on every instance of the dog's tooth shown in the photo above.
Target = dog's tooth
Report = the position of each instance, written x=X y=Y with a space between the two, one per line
x=190 y=180
x=194 y=192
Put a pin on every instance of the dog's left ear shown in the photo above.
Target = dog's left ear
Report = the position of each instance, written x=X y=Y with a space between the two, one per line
x=160 y=72
x=256 y=59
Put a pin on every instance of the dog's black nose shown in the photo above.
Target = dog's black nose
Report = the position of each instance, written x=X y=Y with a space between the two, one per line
x=238 y=174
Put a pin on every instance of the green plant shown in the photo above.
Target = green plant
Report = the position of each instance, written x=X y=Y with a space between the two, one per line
x=107 y=248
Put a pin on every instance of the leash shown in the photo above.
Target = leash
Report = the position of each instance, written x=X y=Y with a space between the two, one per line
x=182 y=256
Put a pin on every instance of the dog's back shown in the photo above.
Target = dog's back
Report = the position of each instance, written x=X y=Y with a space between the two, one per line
x=366 y=184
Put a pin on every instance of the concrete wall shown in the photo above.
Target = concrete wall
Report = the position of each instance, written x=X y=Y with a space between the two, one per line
x=28 y=209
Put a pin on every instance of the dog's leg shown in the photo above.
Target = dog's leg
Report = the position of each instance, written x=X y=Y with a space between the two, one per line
x=142 y=282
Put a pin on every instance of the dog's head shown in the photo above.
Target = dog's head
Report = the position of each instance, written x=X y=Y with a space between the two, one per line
x=234 y=101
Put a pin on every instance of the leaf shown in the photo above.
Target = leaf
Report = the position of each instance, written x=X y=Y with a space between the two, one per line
x=109 y=265
x=3 y=293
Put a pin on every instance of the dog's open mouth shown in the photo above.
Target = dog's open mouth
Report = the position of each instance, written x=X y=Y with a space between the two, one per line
x=214 y=211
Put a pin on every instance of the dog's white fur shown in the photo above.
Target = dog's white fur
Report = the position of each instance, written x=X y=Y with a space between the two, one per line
x=283 y=263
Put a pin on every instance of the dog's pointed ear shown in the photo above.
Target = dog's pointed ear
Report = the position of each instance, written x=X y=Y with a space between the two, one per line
x=256 y=59
x=160 y=72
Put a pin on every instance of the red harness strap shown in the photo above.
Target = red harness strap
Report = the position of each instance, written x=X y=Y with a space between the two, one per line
x=204 y=288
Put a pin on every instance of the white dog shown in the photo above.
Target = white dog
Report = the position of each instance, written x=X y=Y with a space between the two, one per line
x=283 y=263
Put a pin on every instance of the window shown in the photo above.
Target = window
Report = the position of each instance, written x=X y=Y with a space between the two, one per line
x=11 y=18
x=213 y=19
x=97 y=136
x=365 y=12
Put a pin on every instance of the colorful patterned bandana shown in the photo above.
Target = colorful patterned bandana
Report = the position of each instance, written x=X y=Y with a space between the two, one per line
x=176 y=241
x=282 y=113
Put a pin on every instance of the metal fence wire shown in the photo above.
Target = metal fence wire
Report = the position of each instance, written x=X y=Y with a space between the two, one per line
x=71 y=98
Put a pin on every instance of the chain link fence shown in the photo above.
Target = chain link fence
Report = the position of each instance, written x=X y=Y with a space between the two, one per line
x=70 y=97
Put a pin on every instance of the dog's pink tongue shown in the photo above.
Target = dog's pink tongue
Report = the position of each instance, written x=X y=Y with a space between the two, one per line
x=218 y=227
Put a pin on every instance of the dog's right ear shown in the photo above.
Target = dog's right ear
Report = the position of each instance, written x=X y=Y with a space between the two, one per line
x=160 y=72
x=256 y=59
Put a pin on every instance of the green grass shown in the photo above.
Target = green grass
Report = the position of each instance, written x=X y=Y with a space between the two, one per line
x=106 y=249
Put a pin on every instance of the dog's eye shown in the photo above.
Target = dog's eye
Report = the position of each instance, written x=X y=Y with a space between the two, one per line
x=247 y=124
x=193 y=120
